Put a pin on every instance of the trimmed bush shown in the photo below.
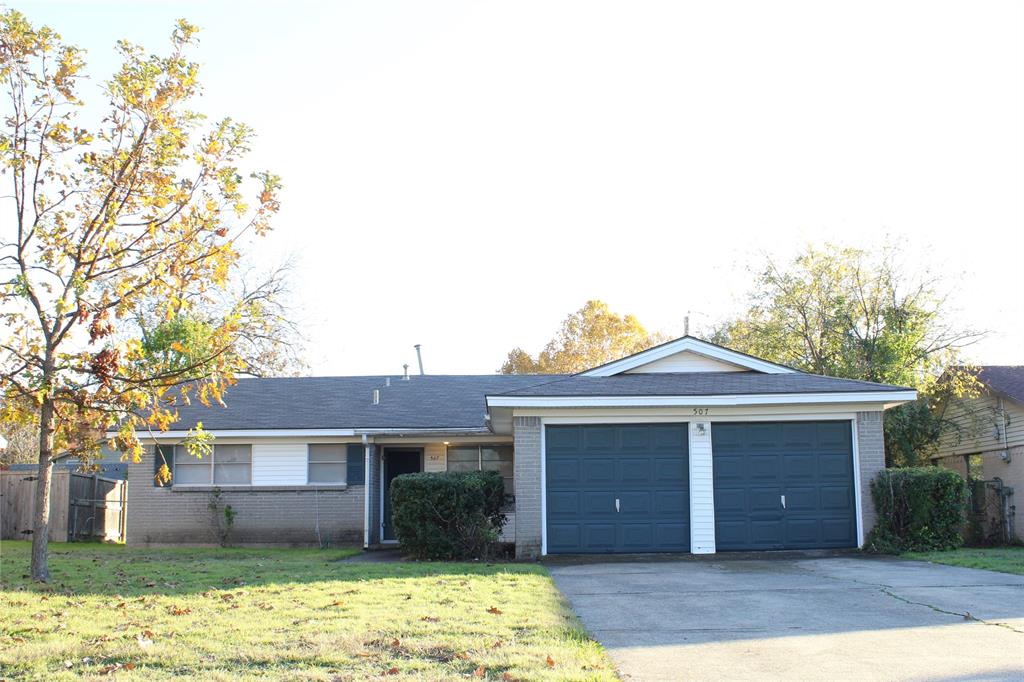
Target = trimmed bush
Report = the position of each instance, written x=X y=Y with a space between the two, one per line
x=452 y=515
x=919 y=509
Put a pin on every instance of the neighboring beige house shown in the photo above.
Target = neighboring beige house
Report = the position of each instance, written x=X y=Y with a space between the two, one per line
x=685 y=447
x=987 y=441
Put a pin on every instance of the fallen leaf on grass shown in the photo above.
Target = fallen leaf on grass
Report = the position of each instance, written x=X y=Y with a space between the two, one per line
x=507 y=677
x=144 y=642
x=480 y=672
x=550 y=662
x=179 y=611
x=392 y=671
x=395 y=643
x=338 y=603
x=464 y=655
x=495 y=610
x=497 y=644
x=429 y=619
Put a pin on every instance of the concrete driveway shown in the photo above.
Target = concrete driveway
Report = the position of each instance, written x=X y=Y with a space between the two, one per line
x=828 y=618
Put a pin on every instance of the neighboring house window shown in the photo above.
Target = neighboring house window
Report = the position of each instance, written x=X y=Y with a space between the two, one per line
x=326 y=463
x=226 y=465
x=483 y=458
x=975 y=466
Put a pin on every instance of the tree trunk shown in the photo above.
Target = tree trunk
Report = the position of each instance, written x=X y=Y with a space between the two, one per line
x=41 y=525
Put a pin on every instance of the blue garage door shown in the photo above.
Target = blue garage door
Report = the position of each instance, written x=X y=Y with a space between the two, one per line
x=617 y=488
x=784 y=485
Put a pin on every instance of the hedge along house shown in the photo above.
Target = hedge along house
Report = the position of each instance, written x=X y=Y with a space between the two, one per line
x=685 y=447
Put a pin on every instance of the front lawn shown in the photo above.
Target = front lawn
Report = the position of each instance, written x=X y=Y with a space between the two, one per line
x=1003 y=559
x=297 y=614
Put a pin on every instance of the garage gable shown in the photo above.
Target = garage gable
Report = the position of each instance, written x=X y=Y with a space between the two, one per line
x=687 y=354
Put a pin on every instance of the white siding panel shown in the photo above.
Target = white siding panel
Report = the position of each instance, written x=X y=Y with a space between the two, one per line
x=981 y=425
x=279 y=464
x=702 y=491
x=685 y=361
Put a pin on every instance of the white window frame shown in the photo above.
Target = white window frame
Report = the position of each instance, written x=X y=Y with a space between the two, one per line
x=212 y=457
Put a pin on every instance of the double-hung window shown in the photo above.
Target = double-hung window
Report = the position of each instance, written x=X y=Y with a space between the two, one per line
x=226 y=465
x=483 y=458
x=326 y=463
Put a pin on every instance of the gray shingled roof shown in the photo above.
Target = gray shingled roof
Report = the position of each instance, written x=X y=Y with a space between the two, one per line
x=697 y=383
x=458 y=401
x=422 y=402
x=1005 y=379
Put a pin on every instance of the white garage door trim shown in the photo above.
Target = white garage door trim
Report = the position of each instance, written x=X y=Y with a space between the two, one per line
x=702 y=509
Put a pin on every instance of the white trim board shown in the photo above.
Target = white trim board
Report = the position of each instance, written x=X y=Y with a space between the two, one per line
x=881 y=397
x=693 y=345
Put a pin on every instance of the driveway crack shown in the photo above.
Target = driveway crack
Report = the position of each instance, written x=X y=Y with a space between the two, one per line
x=966 y=615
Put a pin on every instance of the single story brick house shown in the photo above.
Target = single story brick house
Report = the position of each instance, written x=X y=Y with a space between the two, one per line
x=684 y=447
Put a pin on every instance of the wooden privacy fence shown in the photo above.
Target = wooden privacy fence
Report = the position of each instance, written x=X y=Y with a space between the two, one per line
x=82 y=506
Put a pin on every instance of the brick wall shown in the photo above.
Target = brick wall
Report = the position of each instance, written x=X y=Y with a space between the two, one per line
x=527 y=486
x=272 y=515
x=871 y=452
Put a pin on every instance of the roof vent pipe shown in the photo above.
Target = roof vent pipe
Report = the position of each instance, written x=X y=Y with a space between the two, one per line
x=405 y=376
x=387 y=381
x=419 y=358
x=376 y=396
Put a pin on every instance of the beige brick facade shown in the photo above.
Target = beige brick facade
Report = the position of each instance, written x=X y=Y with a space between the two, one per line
x=871 y=453
x=527 y=432
x=266 y=515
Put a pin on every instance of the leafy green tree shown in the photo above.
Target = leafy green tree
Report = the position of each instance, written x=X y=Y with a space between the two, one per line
x=850 y=313
x=120 y=247
x=591 y=336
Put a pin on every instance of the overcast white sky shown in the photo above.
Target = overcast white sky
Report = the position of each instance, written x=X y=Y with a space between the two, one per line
x=465 y=174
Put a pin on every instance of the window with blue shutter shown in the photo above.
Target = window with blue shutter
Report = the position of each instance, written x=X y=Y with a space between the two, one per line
x=354 y=460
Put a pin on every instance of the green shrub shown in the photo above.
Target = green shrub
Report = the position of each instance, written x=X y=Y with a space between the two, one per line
x=919 y=509
x=448 y=515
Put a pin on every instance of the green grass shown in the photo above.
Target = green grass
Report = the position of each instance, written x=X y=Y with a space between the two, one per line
x=1003 y=559
x=295 y=614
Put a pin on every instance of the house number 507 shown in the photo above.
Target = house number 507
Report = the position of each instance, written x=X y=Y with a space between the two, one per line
x=701 y=411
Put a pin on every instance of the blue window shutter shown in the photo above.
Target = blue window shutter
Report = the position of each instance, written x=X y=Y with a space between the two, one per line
x=168 y=455
x=354 y=459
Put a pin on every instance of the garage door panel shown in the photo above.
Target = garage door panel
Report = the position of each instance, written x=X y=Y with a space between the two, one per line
x=636 y=537
x=598 y=503
x=639 y=470
x=811 y=463
x=730 y=501
x=643 y=466
x=563 y=470
x=671 y=502
x=599 y=536
x=836 y=498
x=670 y=471
x=761 y=467
x=635 y=438
x=634 y=502
x=801 y=499
x=599 y=438
x=564 y=502
x=673 y=537
x=834 y=465
x=799 y=467
x=598 y=470
x=564 y=535
x=764 y=499
x=838 y=531
x=834 y=435
x=562 y=439
x=729 y=467
x=669 y=438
